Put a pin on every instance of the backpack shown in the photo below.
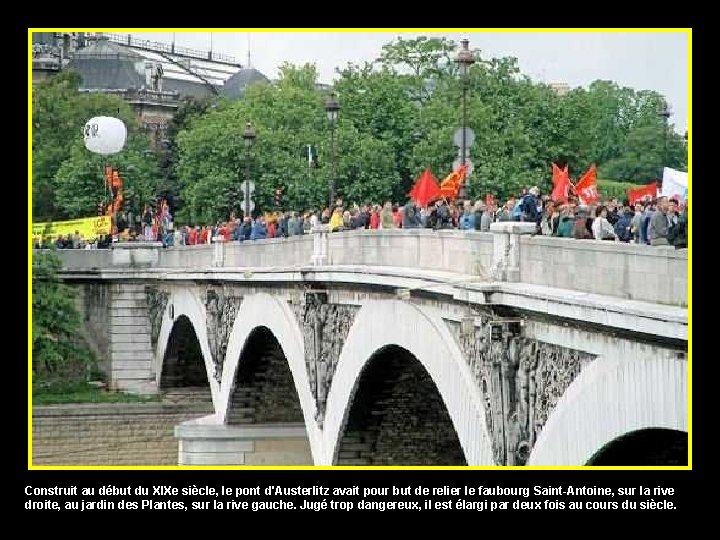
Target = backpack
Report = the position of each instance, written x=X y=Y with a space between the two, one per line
x=622 y=229
x=529 y=208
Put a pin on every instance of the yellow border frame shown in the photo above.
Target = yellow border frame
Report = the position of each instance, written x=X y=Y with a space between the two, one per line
x=688 y=31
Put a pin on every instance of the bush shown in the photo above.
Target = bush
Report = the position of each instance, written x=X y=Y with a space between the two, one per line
x=610 y=189
x=58 y=351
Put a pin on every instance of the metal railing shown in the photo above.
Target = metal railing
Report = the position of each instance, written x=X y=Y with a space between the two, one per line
x=155 y=46
x=134 y=94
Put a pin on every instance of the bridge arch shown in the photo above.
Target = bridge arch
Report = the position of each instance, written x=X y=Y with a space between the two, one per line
x=184 y=303
x=264 y=311
x=611 y=398
x=422 y=333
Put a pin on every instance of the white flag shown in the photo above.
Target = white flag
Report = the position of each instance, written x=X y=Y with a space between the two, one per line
x=674 y=184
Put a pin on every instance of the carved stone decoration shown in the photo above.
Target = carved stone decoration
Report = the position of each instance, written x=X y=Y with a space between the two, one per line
x=325 y=329
x=157 y=300
x=221 y=307
x=521 y=380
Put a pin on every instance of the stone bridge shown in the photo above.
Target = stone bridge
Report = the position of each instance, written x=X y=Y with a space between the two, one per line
x=402 y=347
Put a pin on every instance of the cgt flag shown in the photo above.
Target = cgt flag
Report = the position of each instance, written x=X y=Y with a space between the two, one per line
x=586 y=188
x=641 y=192
x=561 y=183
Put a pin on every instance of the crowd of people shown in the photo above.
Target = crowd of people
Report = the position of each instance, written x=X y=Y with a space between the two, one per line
x=660 y=221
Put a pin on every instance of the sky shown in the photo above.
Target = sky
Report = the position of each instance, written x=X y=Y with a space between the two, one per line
x=640 y=60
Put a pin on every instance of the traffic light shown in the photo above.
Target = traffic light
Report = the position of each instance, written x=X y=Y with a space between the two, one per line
x=278 y=197
x=100 y=209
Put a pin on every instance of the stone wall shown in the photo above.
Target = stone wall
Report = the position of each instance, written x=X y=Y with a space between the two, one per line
x=93 y=303
x=507 y=253
x=109 y=434
x=445 y=251
x=264 y=388
x=131 y=350
x=257 y=444
x=86 y=259
x=655 y=274
x=398 y=417
x=187 y=256
x=293 y=251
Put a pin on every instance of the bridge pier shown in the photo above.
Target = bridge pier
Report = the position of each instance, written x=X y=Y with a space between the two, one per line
x=131 y=350
x=320 y=245
x=506 y=248
x=204 y=442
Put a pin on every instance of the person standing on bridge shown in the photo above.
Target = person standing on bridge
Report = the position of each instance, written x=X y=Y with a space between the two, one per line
x=259 y=230
x=487 y=217
x=411 y=218
x=147 y=221
x=386 y=216
x=466 y=222
x=601 y=227
x=660 y=224
x=336 y=221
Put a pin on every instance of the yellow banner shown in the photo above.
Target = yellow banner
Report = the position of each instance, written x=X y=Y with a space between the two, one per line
x=89 y=228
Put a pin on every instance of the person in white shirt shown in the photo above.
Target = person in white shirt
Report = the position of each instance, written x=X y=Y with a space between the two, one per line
x=601 y=228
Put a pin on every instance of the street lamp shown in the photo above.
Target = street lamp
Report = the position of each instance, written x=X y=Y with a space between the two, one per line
x=331 y=108
x=465 y=59
x=249 y=137
x=664 y=113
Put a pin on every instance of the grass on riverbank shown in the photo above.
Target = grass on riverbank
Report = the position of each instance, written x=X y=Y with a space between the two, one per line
x=58 y=393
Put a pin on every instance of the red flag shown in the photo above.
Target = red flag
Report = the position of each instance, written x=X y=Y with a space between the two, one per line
x=586 y=188
x=425 y=189
x=561 y=184
x=639 y=193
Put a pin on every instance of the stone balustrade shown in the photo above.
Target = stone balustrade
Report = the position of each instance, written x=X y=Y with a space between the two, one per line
x=510 y=252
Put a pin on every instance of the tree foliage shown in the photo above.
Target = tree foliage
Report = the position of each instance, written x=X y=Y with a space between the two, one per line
x=287 y=117
x=57 y=349
x=62 y=169
x=397 y=117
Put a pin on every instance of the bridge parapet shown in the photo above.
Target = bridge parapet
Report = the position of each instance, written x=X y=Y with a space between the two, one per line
x=656 y=274
x=509 y=253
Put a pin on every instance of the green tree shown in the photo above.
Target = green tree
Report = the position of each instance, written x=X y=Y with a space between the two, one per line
x=376 y=103
x=398 y=116
x=287 y=116
x=59 y=112
x=644 y=155
x=81 y=184
x=188 y=111
x=57 y=350
x=426 y=58
x=511 y=119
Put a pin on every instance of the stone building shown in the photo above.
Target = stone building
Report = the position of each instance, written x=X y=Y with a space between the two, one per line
x=154 y=78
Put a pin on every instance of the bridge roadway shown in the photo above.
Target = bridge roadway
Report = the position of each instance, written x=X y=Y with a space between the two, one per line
x=403 y=347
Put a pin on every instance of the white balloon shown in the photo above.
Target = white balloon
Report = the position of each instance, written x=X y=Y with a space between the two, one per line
x=104 y=135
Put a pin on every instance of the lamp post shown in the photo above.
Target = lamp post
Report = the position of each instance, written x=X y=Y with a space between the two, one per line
x=249 y=138
x=464 y=59
x=331 y=108
x=664 y=113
